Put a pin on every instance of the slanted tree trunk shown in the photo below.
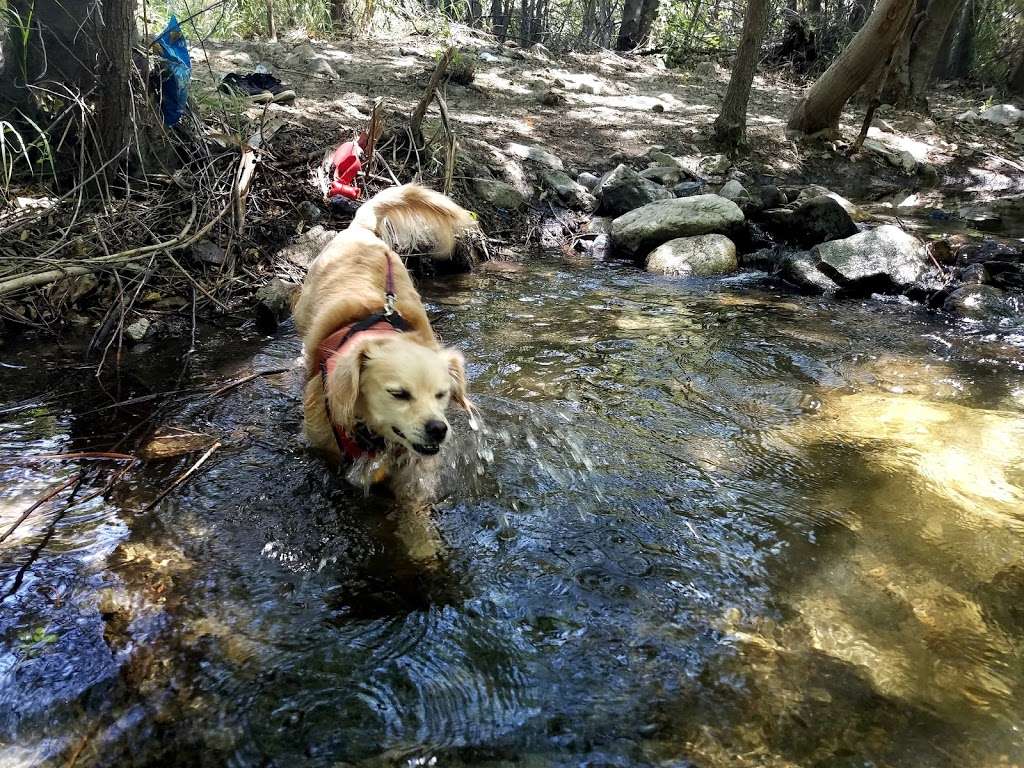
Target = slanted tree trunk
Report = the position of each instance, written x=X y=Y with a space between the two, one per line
x=524 y=23
x=941 y=69
x=962 y=57
x=114 y=103
x=271 y=25
x=730 y=131
x=648 y=14
x=820 y=108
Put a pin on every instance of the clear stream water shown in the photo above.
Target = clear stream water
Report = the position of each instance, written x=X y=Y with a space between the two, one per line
x=707 y=524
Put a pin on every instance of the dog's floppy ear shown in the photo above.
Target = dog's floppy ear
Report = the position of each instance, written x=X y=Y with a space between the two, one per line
x=457 y=370
x=343 y=383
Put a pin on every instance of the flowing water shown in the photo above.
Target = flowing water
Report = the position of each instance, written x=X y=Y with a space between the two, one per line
x=705 y=524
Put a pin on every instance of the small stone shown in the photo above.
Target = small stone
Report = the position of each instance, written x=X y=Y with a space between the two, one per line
x=645 y=228
x=689 y=188
x=552 y=98
x=657 y=108
x=137 y=330
x=310 y=211
x=975 y=274
x=715 y=165
x=274 y=303
x=574 y=195
x=1002 y=114
x=733 y=190
x=666 y=175
x=209 y=252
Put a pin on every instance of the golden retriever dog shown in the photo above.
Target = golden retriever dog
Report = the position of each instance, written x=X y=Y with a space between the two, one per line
x=378 y=383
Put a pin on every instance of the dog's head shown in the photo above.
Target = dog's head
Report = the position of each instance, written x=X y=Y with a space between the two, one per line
x=399 y=389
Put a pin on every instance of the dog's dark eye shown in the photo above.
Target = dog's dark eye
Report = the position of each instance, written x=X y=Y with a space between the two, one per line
x=440 y=395
x=401 y=394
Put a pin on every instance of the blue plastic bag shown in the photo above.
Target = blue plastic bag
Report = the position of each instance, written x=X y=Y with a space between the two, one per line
x=174 y=85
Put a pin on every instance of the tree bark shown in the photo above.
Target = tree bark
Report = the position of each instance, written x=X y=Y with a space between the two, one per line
x=524 y=23
x=499 y=20
x=271 y=25
x=114 y=102
x=340 y=14
x=859 y=13
x=1015 y=81
x=926 y=46
x=730 y=130
x=630 y=25
x=962 y=56
x=648 y=14
x=820 y=108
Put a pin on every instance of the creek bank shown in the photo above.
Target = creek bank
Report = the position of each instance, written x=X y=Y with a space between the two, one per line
x=698 y=217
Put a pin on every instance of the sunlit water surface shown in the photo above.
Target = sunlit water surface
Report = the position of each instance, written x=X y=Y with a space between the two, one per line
x=707 y=524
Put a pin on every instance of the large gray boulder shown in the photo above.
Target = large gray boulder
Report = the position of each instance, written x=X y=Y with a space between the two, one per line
x=499 y=194
x=624 y=189
x=811 y=222
x=638 y=232
x=878 y=260
x=701 y=256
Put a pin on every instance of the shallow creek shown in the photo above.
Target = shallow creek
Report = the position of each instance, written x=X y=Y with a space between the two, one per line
x=705 y=524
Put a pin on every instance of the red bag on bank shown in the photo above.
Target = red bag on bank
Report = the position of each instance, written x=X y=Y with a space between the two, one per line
x=346 y=164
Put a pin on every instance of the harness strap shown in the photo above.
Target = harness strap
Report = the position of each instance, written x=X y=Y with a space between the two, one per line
x=363 y=441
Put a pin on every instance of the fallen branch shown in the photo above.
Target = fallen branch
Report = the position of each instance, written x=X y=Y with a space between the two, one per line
x=416 y=122
x=45 y=498
x=239 y=382
x=181 y=478
x=106 y=455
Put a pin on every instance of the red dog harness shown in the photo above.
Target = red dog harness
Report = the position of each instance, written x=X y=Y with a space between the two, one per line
x=363 y=441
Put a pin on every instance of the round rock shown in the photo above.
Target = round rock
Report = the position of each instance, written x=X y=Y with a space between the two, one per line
x=702 y=256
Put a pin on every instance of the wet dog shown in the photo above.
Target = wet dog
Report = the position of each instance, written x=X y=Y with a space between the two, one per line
x=378 y=382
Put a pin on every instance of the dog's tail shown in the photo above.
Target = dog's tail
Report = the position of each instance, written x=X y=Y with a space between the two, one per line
x=412 y=216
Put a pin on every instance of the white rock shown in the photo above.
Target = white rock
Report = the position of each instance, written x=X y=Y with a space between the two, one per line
x=702 y=256
x=1002 y=114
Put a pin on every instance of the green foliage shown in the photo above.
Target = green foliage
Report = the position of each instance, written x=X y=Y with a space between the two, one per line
x=461 y=68
x=33 y=643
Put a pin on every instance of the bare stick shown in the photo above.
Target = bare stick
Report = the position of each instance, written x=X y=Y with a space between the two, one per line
x=415 y=124
x=45 y=498
x=182 y=477
x=239 y=382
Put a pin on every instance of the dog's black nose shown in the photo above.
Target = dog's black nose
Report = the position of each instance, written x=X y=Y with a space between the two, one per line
x=435 y=429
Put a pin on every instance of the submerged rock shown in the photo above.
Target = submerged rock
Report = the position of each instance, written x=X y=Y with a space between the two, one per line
x=801 y=270
x=878 y=260
x=623 y=190
x=980 y=302
x=643 y=229
x=702 y=256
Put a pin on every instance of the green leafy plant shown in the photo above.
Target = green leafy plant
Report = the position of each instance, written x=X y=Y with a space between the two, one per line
x=33 y=643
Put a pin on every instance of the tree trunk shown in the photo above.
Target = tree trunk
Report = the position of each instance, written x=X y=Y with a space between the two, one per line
x=475 y=13
x=941 y=69
x=630 y=25
x=589 y=22
x=962 y=57
x=271 y=25
x=820 y=108
x=1015 y=81
x=499 y=20
x=859 y=13
x=731 y=124
x=114 y=112
x=59 y=45
x=926 y=46
x=524 y=23
x=341 y=17
x=648 y=14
